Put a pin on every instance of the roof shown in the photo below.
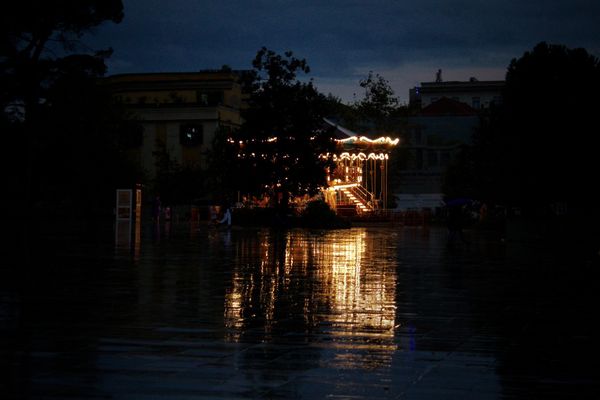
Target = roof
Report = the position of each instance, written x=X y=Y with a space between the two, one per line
x=170 y=80
x=350 y=138
x=446 y=106
x=340 y=131
x=452 y=86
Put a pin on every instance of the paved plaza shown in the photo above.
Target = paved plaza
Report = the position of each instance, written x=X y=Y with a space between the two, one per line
x=378 y=312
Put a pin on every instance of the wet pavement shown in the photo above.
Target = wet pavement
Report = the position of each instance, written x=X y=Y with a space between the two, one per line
x=380 y=312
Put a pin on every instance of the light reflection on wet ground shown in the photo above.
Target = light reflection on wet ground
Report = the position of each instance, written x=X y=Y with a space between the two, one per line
x=377 y=312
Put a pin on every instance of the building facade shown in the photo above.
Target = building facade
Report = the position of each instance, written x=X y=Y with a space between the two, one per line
x=179 y=112
x=447 y=114
x=477 y=94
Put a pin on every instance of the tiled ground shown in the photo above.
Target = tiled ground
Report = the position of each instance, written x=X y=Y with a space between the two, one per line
x=188 y=312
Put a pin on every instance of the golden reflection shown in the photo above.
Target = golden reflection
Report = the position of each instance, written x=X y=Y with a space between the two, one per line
x=128 y=236
x=137 y=239
x=340 y=285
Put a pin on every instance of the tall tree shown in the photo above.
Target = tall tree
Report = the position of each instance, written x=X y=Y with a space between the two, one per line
x=36 y=35
x=283 y=134
x=379 y=111
x=379 y=97
x=550 y=105
x=81 y=140
x=224 y=175
x=379 y=108
x=51 y=107
x=538 y=147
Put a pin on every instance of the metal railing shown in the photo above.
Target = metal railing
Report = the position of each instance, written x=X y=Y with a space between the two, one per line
x=364 y=196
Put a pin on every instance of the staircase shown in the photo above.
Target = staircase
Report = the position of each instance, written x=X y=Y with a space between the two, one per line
x=355 y=197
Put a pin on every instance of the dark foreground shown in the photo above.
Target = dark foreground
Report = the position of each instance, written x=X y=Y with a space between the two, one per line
x=364 y=313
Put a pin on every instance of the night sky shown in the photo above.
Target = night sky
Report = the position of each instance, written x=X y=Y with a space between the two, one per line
x=342 y=40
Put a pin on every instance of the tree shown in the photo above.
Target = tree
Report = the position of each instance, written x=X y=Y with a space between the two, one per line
x=380 y=111
x=176 y=183
x=379 y=99
x=379 y=107
x=537 y=148
x=550 y=102
x=283 y=134
x=223 y=175
x=81 y=141
x=56 y=118
x=34 y=32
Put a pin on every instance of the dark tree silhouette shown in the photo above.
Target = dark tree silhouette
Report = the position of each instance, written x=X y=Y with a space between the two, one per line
x=537 y=149
x=380 y=102
x=283 y=133
x=224 y=177
x=57 y=122
x=550 y=102
x=36 y=35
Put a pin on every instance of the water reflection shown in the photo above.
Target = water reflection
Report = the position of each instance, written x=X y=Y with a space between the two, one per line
x=337 y=286
x=128 y=236
x=249 y=313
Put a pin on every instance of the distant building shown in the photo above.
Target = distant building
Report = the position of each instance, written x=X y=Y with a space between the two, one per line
x=477 y=94
x=180 y=111
x=446 y=118
x=434 y=137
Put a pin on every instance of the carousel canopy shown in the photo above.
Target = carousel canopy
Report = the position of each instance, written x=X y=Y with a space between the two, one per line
x=350 y=140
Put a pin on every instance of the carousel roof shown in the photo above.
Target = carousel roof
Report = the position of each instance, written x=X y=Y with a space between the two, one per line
x=347 y=137
x=340 y=132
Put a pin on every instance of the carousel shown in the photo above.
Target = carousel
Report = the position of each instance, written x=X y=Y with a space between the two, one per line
x=359 y=182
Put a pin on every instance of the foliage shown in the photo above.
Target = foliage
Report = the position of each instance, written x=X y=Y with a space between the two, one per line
x=176 y=183
x=536 y=149
x=61 y=124
x=550 y=104
x=459 y=176
x=33 y=32
x=379 y=101
x=379 y=110
x=223 y=174
x=283 y=132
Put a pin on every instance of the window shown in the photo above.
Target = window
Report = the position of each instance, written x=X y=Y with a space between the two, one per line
x=203 y=99
x=476 y=102
x=190 y=135
x=209 y=98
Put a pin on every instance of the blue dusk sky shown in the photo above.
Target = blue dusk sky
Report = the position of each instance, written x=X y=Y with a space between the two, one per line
x=342 y=40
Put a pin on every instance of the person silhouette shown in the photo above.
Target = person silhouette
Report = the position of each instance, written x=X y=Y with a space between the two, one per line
x=226 y=216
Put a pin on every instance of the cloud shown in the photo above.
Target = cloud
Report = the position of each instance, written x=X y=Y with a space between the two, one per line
x=341 y=38
x=403 y=78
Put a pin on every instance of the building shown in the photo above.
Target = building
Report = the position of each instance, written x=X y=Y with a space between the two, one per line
x=447 y=115
x=178 y=112
x=477 y=94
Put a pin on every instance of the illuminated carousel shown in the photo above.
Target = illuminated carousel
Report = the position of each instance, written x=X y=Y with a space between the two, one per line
x=359 y=183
